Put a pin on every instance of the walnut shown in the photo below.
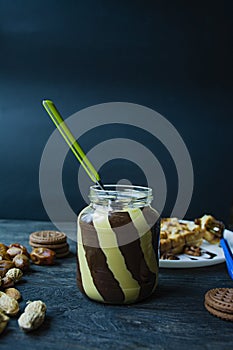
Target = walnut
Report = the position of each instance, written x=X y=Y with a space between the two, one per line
x=15 y=274
x=3 y=321
x=13 y=293
x=33 y=316
x=8 y=305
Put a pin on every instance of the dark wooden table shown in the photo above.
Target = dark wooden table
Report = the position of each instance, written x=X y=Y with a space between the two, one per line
x=173 y=318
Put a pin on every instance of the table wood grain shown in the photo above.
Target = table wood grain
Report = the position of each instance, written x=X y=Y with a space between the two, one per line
x=174 y=317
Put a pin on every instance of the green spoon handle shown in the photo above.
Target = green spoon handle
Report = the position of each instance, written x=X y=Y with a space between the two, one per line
x=71 y=141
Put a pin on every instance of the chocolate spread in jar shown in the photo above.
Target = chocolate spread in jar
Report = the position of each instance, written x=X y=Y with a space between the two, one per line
x=118 y=254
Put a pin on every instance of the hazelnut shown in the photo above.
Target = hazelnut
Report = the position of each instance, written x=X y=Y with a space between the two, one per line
x=22 y=262
x=5 y=265
x=3 y=248
x=5 y=256
x=3 y=252
x=15 y=249
x=13 y=293
x=7 y=282
x=43 y=256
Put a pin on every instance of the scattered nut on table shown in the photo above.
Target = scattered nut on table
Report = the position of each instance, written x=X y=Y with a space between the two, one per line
x=3 y=321
x=13 y=293
x=3 y=247
x=7 y=282
x=15 y=249
x=22 y=262
x=15 y=274
x=8 y=305
x=33 y=316
x=3 y=252
x=4 y=256
x=5 y=265
x=43 y=256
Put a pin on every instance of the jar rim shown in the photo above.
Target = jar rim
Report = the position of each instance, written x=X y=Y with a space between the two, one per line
x=129 y=193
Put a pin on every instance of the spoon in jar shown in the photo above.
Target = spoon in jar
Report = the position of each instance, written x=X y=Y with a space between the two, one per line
x=72 y=143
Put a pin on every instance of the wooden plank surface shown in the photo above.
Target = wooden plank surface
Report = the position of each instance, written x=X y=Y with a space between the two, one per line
x=172 y=318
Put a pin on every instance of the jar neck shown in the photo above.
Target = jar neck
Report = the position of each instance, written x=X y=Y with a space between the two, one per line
x=120 y=197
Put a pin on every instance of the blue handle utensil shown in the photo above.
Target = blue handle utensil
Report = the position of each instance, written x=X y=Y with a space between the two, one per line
x=228 y=255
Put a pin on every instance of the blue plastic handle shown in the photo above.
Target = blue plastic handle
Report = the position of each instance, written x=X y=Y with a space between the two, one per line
x=228 y=255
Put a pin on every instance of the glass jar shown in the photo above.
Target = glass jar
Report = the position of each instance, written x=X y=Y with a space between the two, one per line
x=117 y=245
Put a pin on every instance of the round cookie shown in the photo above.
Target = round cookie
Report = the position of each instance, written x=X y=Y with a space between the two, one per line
x=219 y=302
x=62 y=252
x=220 y=314
x=54 y=240
x=50 y=246
x=62 y=249
x=47 y=237
x=62 y=255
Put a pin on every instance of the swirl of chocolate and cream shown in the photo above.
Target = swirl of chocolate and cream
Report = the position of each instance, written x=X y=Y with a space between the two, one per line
x=117 y=254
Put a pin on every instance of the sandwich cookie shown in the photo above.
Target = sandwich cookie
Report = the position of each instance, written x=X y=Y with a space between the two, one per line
x=219 y=302
x=54 y=240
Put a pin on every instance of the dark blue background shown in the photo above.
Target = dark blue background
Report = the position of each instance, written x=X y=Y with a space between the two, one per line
x=172 y=56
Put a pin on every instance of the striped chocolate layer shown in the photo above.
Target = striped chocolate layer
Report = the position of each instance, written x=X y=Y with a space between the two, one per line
x=139 y=255
x=102 y=278
x=117 y=272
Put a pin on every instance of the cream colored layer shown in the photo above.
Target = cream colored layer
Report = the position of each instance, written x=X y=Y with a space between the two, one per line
x=145 y=234
x=114 y=257
x=87 y=281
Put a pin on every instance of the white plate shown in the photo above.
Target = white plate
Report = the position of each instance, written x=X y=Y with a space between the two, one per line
x=212 y=255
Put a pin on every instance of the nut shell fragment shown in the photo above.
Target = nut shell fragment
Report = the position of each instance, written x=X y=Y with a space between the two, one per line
x=8 y=305
x=33 y=316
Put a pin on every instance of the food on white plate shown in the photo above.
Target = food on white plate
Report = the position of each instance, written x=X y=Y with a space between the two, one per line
x=177 y=237
x=212 y=228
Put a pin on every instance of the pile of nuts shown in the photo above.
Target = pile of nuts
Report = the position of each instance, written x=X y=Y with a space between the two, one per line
x=16 y=255
x=14 y=261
